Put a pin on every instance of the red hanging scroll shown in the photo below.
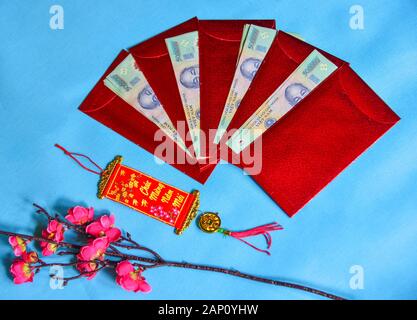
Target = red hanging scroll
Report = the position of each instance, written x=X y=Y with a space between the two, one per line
x=148 y=195
x=142 y=192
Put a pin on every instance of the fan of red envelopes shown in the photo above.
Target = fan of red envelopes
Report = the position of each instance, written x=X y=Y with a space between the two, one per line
x=316 y=134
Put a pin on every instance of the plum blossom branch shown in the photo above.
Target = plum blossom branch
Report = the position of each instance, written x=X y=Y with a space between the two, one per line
x=103 y=248
x=134 y=245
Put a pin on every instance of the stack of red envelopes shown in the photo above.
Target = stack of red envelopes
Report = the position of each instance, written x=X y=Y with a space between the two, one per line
x=301 y=113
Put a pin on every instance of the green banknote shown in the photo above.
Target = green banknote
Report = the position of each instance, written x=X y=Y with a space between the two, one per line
x=242 y=40
x=255 y=44
x=183 y=52
x=130 y=84
x=309 y=74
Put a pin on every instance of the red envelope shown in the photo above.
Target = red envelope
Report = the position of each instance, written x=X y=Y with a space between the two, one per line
x=308 y=147
x=106 y=107
x=219 y=42
x=153 y=60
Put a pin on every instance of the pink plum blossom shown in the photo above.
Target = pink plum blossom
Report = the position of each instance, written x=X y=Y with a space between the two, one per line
x=89 y=254
x=130 y=278
x=79 y=215
x=54 y=232
x=21 y=271
x=18 y=245
x=30 y=257
x=104 y=227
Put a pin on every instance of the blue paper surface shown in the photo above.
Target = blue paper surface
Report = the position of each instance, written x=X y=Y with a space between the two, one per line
x=366 y=217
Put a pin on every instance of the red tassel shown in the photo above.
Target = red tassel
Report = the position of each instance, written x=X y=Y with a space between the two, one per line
x=264 y=230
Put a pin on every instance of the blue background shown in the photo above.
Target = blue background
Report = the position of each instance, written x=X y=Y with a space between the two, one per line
x=366 y=216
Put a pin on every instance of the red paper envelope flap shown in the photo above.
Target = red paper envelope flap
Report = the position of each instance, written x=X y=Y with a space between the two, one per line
x=297 y=50
x=99 y=96
x=155 y=46
x=320 y=137
x=229 y=30
x=153 y=59
x=364 y=98
x=219 y=42
x=106 y=107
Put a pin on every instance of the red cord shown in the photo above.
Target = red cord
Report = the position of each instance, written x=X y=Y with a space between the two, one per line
x=73 y=156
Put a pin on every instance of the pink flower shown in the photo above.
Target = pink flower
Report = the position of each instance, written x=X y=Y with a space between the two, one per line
x=88 y=269
x=30 y=257
x=89 y=254
x=54 y=232
x=130 y=278
x=48 y=249
x=104 y=227
x=18 y=245
x=95 y=250
x=21 y=271
x=79 y=215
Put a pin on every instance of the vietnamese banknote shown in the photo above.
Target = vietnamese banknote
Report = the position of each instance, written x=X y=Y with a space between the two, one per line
x=130 y=84
x=255 y=44
x=183 y=52
x=242 y=40
x=308 y=75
